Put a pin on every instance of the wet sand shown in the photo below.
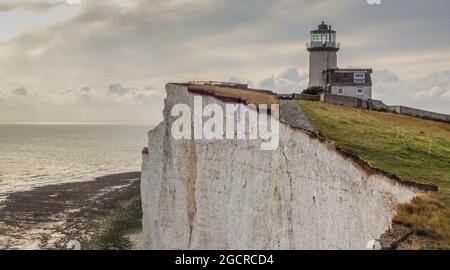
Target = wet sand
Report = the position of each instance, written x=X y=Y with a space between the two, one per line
x=49 y=217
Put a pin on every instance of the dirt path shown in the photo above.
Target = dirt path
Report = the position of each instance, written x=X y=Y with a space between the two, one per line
x=49 y=217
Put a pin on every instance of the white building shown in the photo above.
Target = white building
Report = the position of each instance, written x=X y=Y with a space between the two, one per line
x=349 y=82
x=323 y=70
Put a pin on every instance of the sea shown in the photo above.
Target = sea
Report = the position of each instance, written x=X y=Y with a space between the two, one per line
x=33 y=155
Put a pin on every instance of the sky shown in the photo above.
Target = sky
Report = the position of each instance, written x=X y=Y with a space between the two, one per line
x=109 y=60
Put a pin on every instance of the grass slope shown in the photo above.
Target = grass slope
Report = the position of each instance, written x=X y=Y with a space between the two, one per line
x=411 y=148
x=113 y=235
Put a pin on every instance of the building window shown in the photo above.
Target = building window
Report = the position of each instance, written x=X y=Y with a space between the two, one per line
x=359 y=77
x=360 y=91
x=340 y=91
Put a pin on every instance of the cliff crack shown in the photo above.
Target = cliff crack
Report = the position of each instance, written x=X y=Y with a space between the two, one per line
x=190 y=178
x=289 y=208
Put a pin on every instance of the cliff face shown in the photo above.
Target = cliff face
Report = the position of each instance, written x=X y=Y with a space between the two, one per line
x=229 y=194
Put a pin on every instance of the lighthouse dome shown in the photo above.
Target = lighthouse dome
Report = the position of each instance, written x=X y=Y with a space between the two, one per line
x=323 y=26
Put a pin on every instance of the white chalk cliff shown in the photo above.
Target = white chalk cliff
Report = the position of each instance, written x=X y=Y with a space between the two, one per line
x=229 y=194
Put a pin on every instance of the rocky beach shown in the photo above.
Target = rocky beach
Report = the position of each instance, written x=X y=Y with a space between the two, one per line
x=83 y=215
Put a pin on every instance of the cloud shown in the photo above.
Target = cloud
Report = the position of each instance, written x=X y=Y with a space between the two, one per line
x=21 y=91
x=385 y=76
x=268 y=83
x=292 y=75
x=118 y=89
x=34 y=6
x=431 y=92
x=182 y=40
x=85 y=89
x=96 y=105
x=288 y=81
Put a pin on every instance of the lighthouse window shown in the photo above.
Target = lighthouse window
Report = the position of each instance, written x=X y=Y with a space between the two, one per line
x=316 y=37
x=325 y=37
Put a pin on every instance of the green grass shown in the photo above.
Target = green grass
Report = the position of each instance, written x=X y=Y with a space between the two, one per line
x=427 y=216
x=411 y=148
x=113 y=234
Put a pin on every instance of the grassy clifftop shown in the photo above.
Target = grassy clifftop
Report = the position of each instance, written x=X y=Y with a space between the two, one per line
x=411 y=148
x=248 y=96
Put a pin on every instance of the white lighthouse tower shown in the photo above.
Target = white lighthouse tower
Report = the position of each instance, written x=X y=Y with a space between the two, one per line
x=323 y=50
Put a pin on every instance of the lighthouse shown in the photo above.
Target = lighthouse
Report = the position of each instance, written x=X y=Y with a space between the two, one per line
x=323 y=50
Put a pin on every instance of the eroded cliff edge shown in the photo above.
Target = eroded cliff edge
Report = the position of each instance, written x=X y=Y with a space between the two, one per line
x=229 y=194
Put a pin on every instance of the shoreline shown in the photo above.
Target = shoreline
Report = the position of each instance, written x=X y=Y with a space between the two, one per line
x=48 y=217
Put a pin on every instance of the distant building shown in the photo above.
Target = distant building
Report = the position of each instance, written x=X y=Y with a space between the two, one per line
x=323 y=70
x=349 y=82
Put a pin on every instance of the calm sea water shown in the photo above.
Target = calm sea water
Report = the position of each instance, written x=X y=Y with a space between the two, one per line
x=39 y=154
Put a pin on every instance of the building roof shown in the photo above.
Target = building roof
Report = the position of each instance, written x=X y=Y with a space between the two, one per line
x=350 y=70
x=323 y=28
